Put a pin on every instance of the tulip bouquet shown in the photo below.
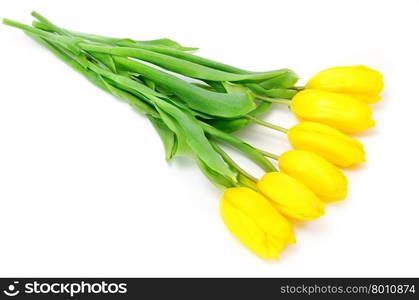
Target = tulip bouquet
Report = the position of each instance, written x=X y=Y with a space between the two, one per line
x=196 y=118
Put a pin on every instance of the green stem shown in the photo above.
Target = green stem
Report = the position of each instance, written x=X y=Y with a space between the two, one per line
x=231 y=162
x=49 y=24
x=268 y=154
x=240 y=145
x=93 y=77
x=266 y=124
x=64 y=41
x=273 y=100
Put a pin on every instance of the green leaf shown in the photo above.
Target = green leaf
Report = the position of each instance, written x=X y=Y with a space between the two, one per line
x=195 y=137
x=281 y=93
x=135 y=102
x=124 y=42
x=232 y=88
x=262 y=107
x=106 y=60
x=216 y=178
x=216 y=85
x=150 y=84
x=273 y=93
x=182 y=147
x=167 y=136
x=231 y=125
x=181 y=66
x=227 y=125
x=212 y=103
x=165 y=42
x=286 y=80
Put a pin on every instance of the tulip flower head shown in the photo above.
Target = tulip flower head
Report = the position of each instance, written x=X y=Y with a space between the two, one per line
x=360 y=81
x=291 y=197
x=343 y=112
x=327 y=142
x=322 y=177
x=255 y=222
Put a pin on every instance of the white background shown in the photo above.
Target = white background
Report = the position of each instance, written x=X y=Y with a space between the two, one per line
x=85 y=189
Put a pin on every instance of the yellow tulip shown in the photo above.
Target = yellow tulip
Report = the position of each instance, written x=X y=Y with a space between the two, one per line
x=359 y=81
x=291 y=197
x=341 y=111
x=323 y=178
x=255 y=222
x=327 y=142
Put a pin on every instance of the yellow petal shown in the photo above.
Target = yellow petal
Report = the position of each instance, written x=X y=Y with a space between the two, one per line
x=323 y=178
x=327 y=142
x=348 y=79
x=254 y=221
x=370 y=99
x=291 y=197
x=343 y=112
